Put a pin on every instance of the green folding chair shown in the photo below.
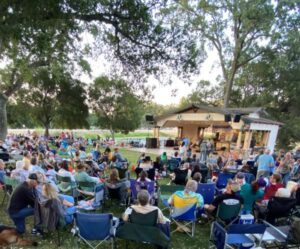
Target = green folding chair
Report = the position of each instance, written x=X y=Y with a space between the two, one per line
x=65 y=185
x=228 y=211
x=9 y=185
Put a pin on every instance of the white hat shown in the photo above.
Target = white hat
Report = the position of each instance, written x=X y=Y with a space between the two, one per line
x=20 y=164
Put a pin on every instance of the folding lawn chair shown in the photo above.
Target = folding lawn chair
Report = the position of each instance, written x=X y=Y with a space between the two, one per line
x=236 y=235
x=222 y=181
x=185 y=218
x=143 y=228
x=86 y=189
x=207 y=191
x=92 y=228
x=9 y=185
x=135 y=186
x=173 y=164
x=165 y=191
x=65 y=185
x=228 y=211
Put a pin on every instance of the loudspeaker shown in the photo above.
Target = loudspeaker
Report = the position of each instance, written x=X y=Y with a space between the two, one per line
x=149 y=118
x=151 y=143
x=237 y=118
x=227 y=117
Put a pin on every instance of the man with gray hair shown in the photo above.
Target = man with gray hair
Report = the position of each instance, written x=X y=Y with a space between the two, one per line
x=187 y=196
x=265 y=164
x=144 y=207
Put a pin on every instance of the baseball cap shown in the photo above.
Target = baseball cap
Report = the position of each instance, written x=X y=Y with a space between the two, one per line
x=33 y=176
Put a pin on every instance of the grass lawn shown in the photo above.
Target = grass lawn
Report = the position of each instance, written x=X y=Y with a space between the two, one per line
x=178 y=240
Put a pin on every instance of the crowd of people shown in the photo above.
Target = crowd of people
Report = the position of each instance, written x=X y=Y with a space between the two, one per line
x=40 y=160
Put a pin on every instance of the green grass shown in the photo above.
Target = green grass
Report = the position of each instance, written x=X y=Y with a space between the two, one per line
x=178 y=240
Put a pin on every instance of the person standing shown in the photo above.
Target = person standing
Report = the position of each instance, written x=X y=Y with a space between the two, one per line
x=265 y=164
x=285 y=166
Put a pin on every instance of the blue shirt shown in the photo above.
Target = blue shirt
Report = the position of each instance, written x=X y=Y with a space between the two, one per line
x=265 y=161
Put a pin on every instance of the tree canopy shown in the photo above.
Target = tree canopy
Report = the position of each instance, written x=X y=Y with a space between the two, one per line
x=116 y=105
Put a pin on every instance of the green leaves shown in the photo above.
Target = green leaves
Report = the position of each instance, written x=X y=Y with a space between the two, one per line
x=116 y=105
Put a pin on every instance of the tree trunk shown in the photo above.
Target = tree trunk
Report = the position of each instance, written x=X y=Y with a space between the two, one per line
x=47 y=130
x=228 y=88
x=3 y=116
x=112 y=132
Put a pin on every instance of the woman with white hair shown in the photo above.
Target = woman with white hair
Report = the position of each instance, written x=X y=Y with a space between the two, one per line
x=21 y=172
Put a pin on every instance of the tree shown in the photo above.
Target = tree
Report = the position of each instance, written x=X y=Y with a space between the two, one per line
x=55 y=99
x=204 y=93
x=274 y=81
x=237 y=29
x=118 y=108
x=31 y=31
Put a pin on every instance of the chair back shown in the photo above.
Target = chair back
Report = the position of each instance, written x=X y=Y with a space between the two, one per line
x=184 y=208
x=246 y=229
x=9 y=181
x=173 y=164
x=222 y=179
x=65 y=179
x=228 y=210
x=86 y=186
x=149 y=219
x=249 y=177
x=94 y=226
x=122 y=173
x=114 y=193
x=279 y=207
x=207 y=190
x=180 y=176
x=135 y=186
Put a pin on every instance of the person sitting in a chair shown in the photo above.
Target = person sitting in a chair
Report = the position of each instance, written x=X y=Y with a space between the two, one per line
x=230 y=193
x=144 y=207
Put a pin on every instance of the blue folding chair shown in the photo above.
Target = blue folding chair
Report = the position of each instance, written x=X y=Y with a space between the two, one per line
x=184 y=217
x=207 y=190
x=91 y=228
x=249 y=177
x=222 y=181
x=135 y=186
x=236 y=235
x=173 y=164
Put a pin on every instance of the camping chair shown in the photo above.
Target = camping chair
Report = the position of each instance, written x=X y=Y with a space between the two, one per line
x=228 y=211
x=96 y=203
x=91 y=228
x=173 y=164
x=143 y=228
x=184 y=213
x=86 y=189
x=249 y=178
x=278 y=237
x=280 y=207
x=165 y=191
x=207 y=191
x=180 y=176
x=65 y=185
x=9 y=185
x=135 y=186
x=222 y=181
x=235 y=235
x=115 y=194
x=184 y=217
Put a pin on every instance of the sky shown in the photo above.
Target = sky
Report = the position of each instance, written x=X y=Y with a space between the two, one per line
x=169 y=94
